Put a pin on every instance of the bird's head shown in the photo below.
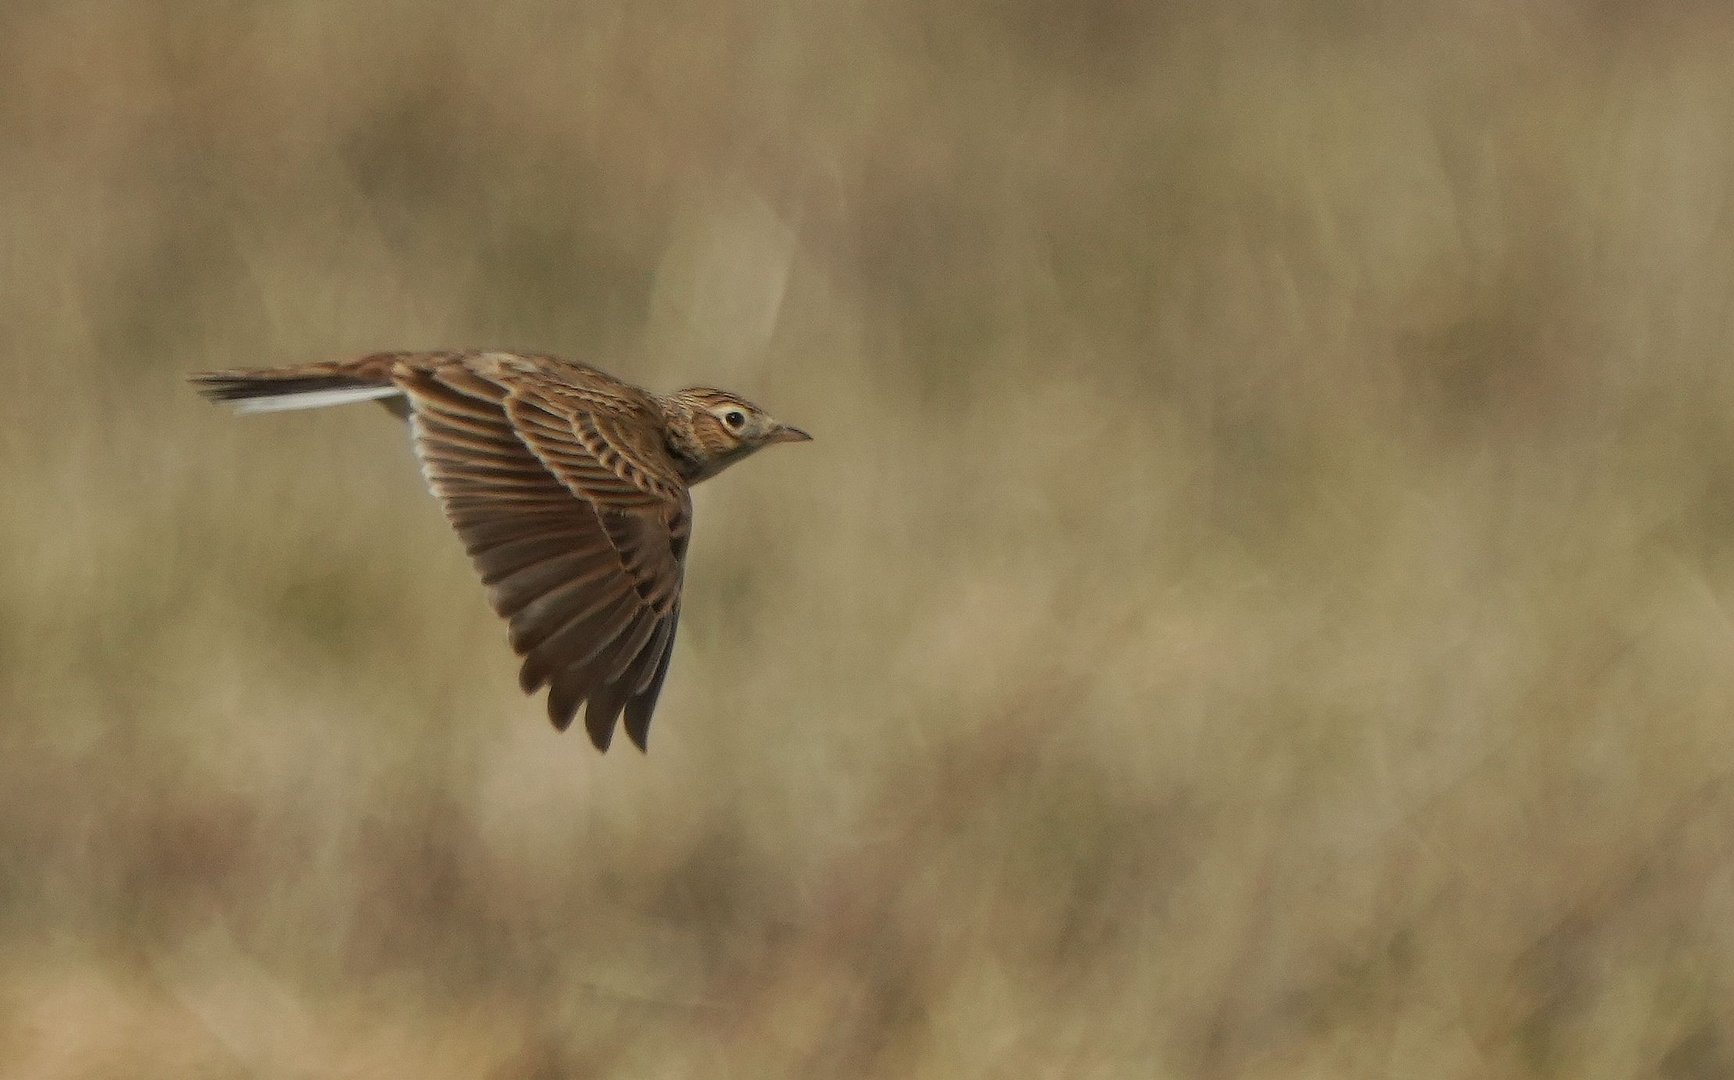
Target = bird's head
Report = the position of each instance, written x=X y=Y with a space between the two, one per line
x=712 y=429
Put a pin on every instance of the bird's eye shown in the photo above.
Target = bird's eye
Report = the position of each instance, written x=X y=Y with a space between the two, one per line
x=735 y=419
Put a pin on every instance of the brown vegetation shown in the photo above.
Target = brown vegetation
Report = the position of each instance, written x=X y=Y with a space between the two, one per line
x=1257 y=605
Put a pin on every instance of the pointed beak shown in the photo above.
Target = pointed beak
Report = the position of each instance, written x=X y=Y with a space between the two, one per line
x=785 y=433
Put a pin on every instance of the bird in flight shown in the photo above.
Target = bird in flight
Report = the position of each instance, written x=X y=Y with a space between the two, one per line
x=568 y=487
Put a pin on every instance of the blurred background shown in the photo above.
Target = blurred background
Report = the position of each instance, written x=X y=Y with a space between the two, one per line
x=1258 y=604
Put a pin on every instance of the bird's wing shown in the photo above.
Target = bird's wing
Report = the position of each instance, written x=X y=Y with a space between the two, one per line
x=572 y=511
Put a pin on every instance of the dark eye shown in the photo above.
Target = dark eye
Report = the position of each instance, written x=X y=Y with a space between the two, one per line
x=735 y=419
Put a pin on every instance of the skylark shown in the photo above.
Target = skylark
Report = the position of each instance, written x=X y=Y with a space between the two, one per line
x=568 y=487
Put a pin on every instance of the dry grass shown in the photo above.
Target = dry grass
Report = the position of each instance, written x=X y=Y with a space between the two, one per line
x=1258 y=605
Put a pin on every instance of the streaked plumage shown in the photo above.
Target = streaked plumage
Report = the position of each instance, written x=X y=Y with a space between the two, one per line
x=569 y=490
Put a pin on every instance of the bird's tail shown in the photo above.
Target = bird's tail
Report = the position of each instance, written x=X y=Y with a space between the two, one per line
x=309 y=386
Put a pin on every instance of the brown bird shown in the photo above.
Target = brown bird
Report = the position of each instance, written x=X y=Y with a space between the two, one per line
x=569 y=490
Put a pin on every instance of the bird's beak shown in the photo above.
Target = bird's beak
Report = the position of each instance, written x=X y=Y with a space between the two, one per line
x=785 y=433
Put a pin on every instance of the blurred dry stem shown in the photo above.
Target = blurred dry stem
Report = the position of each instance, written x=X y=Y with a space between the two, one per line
x=1258 y=604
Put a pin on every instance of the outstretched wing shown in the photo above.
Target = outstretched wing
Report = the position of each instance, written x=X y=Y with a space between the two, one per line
x=557 y=480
